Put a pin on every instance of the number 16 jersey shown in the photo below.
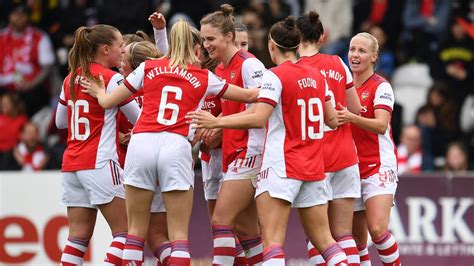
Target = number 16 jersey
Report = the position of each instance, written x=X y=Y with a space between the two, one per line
x=293 y=146
x=92 y=130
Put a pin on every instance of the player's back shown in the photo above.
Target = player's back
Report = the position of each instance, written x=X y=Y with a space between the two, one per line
x=296 y=126
x=92 y=130
x=170 y=93
x=339 y=149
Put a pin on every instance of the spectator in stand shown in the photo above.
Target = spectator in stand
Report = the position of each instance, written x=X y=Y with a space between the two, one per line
x=29 y=153
x=12 y=119
x=125 y=15
x=383 y=13
x=26 y=58
x=457 y=159
x=455 y=63
x=425 y=24
x=256 y=35
x=77 y=13
x=438 y=120
x=409 y=151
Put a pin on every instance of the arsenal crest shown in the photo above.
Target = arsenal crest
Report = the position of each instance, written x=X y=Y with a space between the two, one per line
x=365 y=95
x=232 y=75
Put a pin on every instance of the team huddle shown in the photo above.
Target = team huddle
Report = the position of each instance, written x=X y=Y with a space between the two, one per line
x=310 y=133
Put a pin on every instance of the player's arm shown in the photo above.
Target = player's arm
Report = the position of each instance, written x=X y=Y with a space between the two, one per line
x=238 y=94
x=131 y=110
x=98 y=90
x=257 y=119
x=221 y=89
x=61 y=111
x=158 y=22
x=383 y=106
x=330 y=115
x=377 y=125
x=352 y=99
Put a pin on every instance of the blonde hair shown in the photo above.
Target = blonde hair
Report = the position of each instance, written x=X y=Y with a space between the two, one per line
x=181 y=50
x=375 y=44
x=141 y=51
x=86 y=42
x=374 y=47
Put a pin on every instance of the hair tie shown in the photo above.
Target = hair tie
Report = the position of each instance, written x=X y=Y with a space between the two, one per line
x=281 y=46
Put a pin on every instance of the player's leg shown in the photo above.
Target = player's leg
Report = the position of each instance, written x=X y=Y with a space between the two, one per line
x=140 y=183
x=273 y=214
x=234 y=196
x=81 y=226
x=157 y=238
x=378 y=214
x=176 y=179
x=346 y=187
x=81 y=218
x=312 y=204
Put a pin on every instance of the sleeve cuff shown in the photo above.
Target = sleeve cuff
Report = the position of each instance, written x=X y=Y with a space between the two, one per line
x=350 y=85
x=223 y=90
x=129 y=86
x=127 y=101
x=268 y=101
x=63 y=102
x=385 y=107
x=328 y=97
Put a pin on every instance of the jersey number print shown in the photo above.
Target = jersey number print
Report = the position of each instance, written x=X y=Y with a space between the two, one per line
x=307 y=111
x=76 y=120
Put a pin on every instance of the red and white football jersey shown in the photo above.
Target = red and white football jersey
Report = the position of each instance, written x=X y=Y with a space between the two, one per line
x=376 y=152
x=339 y=148
x=294 y=141
x=125 y=127
x=170 y=93
x=211 y=104
x=92 y=130
x=246 y=71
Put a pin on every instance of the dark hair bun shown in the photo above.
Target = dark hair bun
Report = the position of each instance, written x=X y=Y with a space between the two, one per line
x=313 y=16
x=289 y=22
x=227 y=9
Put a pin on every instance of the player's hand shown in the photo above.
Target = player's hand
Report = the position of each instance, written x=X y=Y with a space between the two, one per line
x=124 y=138
x=202 y=119
x=215 y=138
x=157 y=20
x=343 y=115
x=92 y=87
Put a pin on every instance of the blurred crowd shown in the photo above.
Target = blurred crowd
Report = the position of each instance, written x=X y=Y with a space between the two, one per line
x=427 y=52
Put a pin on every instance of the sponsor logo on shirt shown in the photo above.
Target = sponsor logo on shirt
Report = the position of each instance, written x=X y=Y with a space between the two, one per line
x=267 y=86
x=257 y=74
x=386 y=96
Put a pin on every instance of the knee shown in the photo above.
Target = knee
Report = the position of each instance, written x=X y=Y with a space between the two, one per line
x=83 y=232
x=376 y=230
x=219 y=218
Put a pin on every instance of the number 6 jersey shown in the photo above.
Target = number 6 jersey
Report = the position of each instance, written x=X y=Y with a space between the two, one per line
x=170 y=93
x=92 y=130
x=293 y=146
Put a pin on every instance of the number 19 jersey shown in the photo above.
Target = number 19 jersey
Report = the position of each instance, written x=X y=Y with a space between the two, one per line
x=293 y=146
x=169 y=93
